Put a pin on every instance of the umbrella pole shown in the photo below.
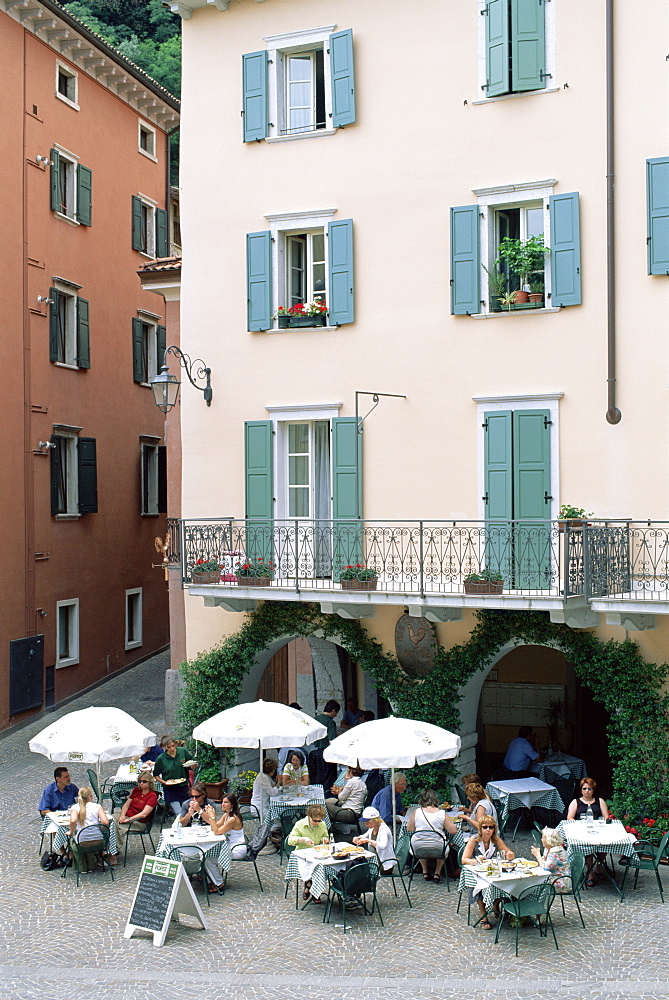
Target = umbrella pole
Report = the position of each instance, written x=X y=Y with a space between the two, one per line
x=392 y=785
x=260 y=766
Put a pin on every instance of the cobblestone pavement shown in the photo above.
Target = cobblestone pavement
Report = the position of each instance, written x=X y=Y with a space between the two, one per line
x=62 y=942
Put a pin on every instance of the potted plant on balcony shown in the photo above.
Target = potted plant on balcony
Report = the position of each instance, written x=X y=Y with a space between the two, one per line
x=256 y=572
x=524 y=257
x=537 y=291
x=358 y=577
x=302 y=314
x=242 y=785
x=572 y=517
x=206 y=571
x=213 y=782
x=488 y=581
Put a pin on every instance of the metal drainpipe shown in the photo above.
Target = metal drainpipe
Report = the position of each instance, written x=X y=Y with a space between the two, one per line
x=613 y=414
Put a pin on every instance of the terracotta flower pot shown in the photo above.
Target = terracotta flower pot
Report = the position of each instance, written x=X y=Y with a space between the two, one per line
x=484 y=586
x=358 y=584
x=521 y=296
x=216 y=789
x=536 y=297
x=210 y=577
x=254 y=581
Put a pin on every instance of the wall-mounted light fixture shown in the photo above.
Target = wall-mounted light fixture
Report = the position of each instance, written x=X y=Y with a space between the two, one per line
x=44 y=298
x=46 y=444
x=43 y=161
x=165 y=387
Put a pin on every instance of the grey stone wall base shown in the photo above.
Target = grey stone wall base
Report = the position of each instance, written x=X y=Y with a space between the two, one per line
x=174 y=685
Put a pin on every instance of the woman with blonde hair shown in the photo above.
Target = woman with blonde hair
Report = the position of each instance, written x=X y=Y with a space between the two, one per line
x=481 y=805
x=482 y=846
x=554 y=858
x=85 y=812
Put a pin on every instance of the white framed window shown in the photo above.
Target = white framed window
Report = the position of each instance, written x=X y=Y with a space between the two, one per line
x=148 y=346
x=153 y=475
x=67 y=185
x=66 y=486
x=146 y=140
x=516 y=43
x=71 y=187
x=67 y=633
x=149 y=227
x=133 y=618
x=67 y=85
x=518 y=212
x=300 y=267
x=300 y=103
x=65 y=309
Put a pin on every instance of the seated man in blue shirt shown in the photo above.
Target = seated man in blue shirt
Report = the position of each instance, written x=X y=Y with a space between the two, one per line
x=60 y=794
x=383 y=800
x=521 y=753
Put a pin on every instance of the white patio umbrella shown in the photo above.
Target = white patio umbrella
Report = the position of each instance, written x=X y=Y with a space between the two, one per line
x=259 y=724
x=392 y=743
x=93 y=736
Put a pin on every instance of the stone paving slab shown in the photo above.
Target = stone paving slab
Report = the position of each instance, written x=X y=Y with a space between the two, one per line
x=62 y=942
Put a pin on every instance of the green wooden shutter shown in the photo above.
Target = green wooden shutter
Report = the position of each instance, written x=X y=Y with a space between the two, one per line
x=53 y=324
x=465 y=266
x=88 y=476
x=528 y=46
x=84 y=195
x=531 y=499
x=161 y=344
x=498 y=496
x=497 y=47
x=55 y=475
x=161 y=232
x=346 y=494
x=83 y=335
x=259 y=479
x=137 y=242
x=343 y=82
x=54 y=156
x=340 y=275
x=255 y=113
x=657 y=193
x=138 y=369
x=259 y=280
x=162 y=479
x=565 y=249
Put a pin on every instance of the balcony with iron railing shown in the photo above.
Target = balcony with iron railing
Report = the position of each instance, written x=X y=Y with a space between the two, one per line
x=539 y=564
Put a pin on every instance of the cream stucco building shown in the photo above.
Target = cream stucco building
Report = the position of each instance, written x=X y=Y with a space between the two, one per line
x=383 y=151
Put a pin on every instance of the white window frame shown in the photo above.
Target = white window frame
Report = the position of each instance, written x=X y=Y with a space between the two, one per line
x=278 y=48
x=550 y=39
x=150 y=206
x=69 y=162
x=149 y=496
x=70 y=360
x=133 y=617
x=150 y=333
x=294 y=224
x=490 y=200
x=73 y=632
x=522 y=401
x=72 y=74
x=281 y=417
x=70 y=436
x=146 y=129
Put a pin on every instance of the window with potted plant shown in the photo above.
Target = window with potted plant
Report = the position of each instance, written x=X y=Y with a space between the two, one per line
x=358 y=577
x=523 y=258
x=302 y=314
x=572 y=517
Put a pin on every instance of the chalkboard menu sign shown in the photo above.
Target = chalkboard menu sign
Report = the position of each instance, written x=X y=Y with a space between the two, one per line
x=162 y=891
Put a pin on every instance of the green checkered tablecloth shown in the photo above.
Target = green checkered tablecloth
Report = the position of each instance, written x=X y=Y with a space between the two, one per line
x=301 y=868
x=523 y=793
x=455 y=840
x=219 y=851
x=313 y=796
x=492 y=888
x=597 y=838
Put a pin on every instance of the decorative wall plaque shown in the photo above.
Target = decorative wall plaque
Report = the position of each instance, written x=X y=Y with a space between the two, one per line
x=415 y=645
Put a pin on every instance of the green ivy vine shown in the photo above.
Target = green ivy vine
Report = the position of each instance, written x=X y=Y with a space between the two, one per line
x=630 y=688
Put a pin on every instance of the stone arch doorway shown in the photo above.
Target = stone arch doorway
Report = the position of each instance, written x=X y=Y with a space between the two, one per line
x=308 y=670
x=516 y=688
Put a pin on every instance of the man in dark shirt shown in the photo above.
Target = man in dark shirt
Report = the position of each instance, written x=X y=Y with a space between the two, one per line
x=60 y=794
x=321 y=772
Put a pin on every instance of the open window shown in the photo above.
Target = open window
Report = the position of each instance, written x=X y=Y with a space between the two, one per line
x=69 y=327
x=153 y=476
x=302 y=84
x=516 y=46
x=67 y=85
x=149 y=227
x=74 y=487
x=71 y=187
x=148 y=348
x=67 y=633
x=146 y=140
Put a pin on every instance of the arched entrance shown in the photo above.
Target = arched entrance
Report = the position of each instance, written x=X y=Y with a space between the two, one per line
x=533 y=685
x=308 y=670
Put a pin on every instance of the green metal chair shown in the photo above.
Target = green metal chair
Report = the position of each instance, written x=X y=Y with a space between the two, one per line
x=536 y=832
x=401 y=855
x=140 y=833
x=535 y=901
x=91 y=841
x=460 y=792
x=246 y=860
x=356 y=881
x=440 y=844
x=577 y=871
x=288 y=821
x=192 y=859
x=646 y=857
x=288 y=849
x=103 y=792
x=117 y=795
x=469 y=905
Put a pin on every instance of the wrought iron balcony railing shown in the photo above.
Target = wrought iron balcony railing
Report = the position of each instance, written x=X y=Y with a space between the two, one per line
x=533 y=558
x=628 y=560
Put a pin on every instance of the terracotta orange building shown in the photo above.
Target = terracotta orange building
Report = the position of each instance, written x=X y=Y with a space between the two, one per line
x=82 y=492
